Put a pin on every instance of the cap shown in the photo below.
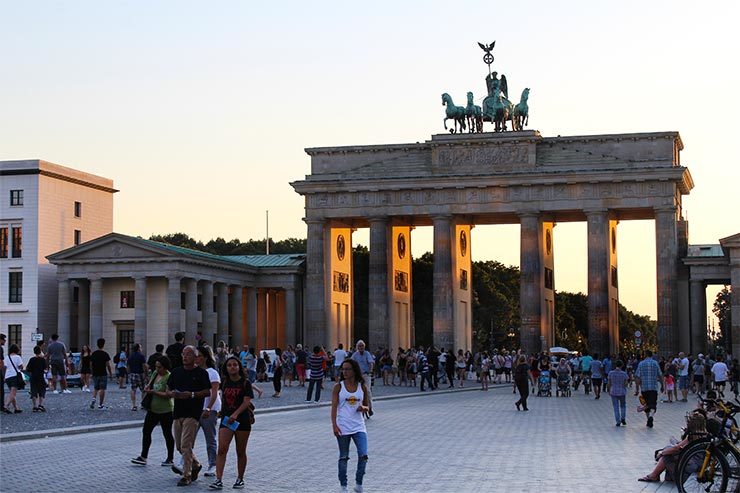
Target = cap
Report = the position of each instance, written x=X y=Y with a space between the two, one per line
x=701 y=355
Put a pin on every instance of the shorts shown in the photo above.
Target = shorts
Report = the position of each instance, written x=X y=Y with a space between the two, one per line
x=651 y=399
x=137 y=381
x=596 y=382
x=38 y=389
x=57 y=368
x=12 y=382
x=121 y=372
x=683 y=382
x=300 y=369
x=507 y=371
x=100 y=383
x=720 y=383
x=699 y=379
x=499 y=371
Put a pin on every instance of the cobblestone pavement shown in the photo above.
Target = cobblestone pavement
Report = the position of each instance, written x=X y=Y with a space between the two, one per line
x=468 y=441
x=71 y=410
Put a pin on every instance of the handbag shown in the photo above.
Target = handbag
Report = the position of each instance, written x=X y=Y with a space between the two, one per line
x=146 y=402
x=20 y=382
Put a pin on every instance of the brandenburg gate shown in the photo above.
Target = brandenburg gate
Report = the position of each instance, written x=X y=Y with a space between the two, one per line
x=456 y=181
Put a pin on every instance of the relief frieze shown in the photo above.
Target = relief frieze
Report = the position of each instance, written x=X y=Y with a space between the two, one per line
x=489 y=156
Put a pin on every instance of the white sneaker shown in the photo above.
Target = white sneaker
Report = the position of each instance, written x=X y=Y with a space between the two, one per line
x=343 y=489
x=211 y=471
x=55 y=391
x=66 y=391
x=358 y=488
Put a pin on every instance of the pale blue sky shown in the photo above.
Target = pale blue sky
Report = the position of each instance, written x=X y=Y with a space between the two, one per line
x=200 y=111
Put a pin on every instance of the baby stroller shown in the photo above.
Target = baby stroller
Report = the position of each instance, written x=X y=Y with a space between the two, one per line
x=563 y=385
x=543 y=384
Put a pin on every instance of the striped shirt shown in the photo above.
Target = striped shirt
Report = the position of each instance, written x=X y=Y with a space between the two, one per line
x=617 y=380
x=316 y=365
x=648 y=372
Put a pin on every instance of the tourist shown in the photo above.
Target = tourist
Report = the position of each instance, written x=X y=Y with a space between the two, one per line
x=36 y=369
x=288 y=366
x=597 y=375
x=508 y=362
x=450 y=364
x=386 y=365
x=647 y=380
x=349 y=402
x=120 y=360
x=159 y=412
x=261 y=367
x=189 y=385
x=667 y=457
x=56 y=355
x=367 y=363
x=608 y=365
x=135 y=368
x=522 y=376
x=85 y=368
x=617 y=381
x=2 y=373
x=174 y=351
x=670 y=386
x=211 y=406
x=411 y=368
x=698 y=367
x=339 y=355
x=683 y=376
x=433 y=357
x=153 y=358
x=222 y=352
x=424 y=371
x=498 y=367
x=101 y=370
x=671 y=368
x=250 y=364
x=719 y=372
x=238 y=416
x=401 y=362
x=485 y=367
x=316 y=374
x=277 y=372
x=13 y=378
x=460 y=366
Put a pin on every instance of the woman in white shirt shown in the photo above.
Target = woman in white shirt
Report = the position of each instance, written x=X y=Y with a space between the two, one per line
x=13 y=367
x=349 y=402
x=211 y=406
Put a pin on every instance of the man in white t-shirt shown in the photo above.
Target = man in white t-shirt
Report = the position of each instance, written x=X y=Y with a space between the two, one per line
x=719 y=370
x=683 y=375
x=339 y=355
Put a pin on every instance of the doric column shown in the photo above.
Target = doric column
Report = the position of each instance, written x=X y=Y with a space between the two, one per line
x=315 y=282
x=140 y=328
x=272 y=318
x=96 y=311
x=83 y=313
x=208 y=316
x=191 y=311
x=378 y=329
x=598 y=280
x=64 y=311
x=666 y=243
x=442 y=320
x=235 y=324
x=290 y=316
x=252 y=316
x=530 y=283
x=260 y=342
x=698 y=297
x=173 y=307
x=222 y=306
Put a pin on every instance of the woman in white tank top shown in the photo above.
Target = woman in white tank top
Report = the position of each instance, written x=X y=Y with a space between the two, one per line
x=349 y=403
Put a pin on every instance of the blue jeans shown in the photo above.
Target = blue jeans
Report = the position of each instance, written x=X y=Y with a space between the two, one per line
x=620 y=406
x=314 y=383
x=360 y=439
x=252 y=374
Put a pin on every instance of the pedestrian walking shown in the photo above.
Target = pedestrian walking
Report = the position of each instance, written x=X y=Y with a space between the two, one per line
x=237 y=414
x=349 y=402
x=211 y=406
x=683 y=376
x=159 y=413
x=617 y=385
x=85 y=368
x=174 y=351
x=121 y=362
x=151 y=361
x=460 y=367
x=135 y=368
x=189 y=385
x=522 y=376
x=277 y=372
x=13 y=378
x=339 y=355
x=101 y=370
x=367 y=364
x=316 y=374
x=647 y=380
x=485 y=367
x=287 y=366
x=719 y=372
x=56 y=354
x=597 y=375
x=698 y=368
x=36 y=369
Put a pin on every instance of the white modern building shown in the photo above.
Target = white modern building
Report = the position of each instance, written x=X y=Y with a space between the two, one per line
x=44 y=208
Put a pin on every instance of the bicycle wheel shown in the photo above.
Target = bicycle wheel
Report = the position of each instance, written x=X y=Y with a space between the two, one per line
x=697 y=473
x=731 y=453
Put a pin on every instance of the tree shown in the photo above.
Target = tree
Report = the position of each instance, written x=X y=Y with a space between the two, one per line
x=422 y=277
x=722 y=309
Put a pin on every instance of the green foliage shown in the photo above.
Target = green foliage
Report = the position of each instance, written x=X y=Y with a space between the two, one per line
x=496 y=316
x=571 y=320
x=629 y=323
x=360 y=271
x=422 y=277
x=219 y=246
x=722 y=309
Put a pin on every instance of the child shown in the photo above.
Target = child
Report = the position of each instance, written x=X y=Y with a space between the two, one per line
x=670 y=385
x=37 y=369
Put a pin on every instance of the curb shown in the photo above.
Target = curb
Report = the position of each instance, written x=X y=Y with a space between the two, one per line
x=124 y=425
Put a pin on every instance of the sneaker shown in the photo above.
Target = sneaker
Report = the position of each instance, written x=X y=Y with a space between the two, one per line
x=167 y=463
x=35 y=409
x=624 y=422
x=343 y=489
x=66 y=391
x=92 y=404
x=308 y=401
x=176 y=469
x=650 y=422
x=194 y=471
x=358 y=488
x=618 y=424
x=42 y=409
x=141 y=461
x=216 y=485
x=102 y=408
x=134 y=408
x=211 y=471
x=239 y=484
x=183 y=482
x=55 y=391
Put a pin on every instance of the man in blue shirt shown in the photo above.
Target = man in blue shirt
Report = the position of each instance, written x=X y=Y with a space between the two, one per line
x=648 y=378
x=366 y=362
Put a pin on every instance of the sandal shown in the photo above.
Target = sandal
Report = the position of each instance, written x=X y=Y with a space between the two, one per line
x=648 y=479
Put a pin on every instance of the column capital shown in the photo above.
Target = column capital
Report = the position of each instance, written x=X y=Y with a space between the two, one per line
x=314 y=220
x=665 y=208
x=523 y=214
x=596 y=211
x=441 y=217
x=378 y=219
x=175 y=276
x=139 y=277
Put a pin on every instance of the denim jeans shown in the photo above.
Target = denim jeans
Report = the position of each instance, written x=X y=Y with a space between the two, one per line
x=360 y=439
x=209 y=426
x=311 y=384
x=620 y=407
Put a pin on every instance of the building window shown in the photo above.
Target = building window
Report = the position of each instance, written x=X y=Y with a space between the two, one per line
x=15 y=280
x=16 y=197
x=15 y=334
x=78 y=237
x=17 y=241
x=78 y=209
x=4 y=242
x=127 y=299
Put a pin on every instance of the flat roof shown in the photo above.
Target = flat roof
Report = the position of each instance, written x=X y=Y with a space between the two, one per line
x=57 y=171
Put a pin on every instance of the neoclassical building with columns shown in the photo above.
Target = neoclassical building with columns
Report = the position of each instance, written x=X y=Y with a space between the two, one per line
x=131 y=290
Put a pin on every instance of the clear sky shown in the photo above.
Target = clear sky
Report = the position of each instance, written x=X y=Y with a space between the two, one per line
x=200 y=111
